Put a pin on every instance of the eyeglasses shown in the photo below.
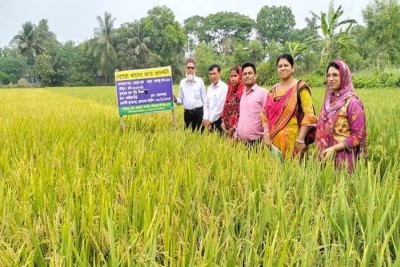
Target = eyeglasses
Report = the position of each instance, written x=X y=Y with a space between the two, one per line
x=190 y=68
x=333 y=75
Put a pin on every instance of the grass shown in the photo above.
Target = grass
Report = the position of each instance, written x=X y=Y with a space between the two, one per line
x=75 y=191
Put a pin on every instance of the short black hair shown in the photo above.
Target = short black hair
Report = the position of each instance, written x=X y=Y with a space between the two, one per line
x=213 y=66
x=288 y=57
x=333 y=64
x=249 y=64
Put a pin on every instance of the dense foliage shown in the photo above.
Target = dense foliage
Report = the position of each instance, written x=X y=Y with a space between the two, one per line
x=227 y=38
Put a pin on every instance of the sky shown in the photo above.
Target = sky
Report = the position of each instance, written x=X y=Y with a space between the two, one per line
x=75 y=20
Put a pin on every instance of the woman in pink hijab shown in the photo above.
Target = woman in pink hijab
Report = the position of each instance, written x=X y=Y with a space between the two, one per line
x=341 y=127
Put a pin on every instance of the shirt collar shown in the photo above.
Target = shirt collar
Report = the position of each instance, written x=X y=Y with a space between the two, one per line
x=252 y=89
x=217 y=84
x=194 y=80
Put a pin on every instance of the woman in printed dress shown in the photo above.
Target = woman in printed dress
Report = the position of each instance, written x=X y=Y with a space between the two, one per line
x=281 y=126
x=230 y=114
x=341 y=127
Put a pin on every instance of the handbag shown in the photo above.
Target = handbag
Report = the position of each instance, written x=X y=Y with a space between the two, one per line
x=310 y=136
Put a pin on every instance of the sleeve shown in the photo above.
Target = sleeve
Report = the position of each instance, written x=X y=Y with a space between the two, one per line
x=203 y=92
x=264 y=118
x=310 y=119
x=206 y=104
x=220 y=106
x=263 y=113
x=264 y=98
x=179 y=99
x=356 y=119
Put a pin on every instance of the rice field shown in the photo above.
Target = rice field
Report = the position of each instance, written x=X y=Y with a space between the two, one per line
x=76 y=191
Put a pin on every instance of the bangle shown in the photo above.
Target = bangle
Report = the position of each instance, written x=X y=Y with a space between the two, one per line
x=300 y=141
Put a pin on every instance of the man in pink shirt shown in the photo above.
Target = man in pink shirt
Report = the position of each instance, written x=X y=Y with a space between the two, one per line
x=249 y=128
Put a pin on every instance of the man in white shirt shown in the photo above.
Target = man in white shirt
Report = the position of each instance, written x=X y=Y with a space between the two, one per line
x=216 y=95
x=192 y=94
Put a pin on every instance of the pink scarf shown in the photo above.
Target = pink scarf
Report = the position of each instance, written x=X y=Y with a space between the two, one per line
x=332 y=104
x=275 y=107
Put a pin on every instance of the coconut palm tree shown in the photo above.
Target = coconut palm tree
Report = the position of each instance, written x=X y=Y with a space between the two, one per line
x=334 y=38
x=104 y=36
x=28 y=44
x=101 y=46
x=28 y=41
x=139 y=41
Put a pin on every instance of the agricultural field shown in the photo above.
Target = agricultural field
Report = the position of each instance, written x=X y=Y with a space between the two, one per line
x=76 y=191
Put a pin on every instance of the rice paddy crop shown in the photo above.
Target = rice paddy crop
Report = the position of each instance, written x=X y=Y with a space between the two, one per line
x=76 y=191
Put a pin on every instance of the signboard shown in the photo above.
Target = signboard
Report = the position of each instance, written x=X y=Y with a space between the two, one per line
x=144 y=90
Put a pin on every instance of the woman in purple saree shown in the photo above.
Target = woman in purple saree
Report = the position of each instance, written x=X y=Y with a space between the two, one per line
x=341 y=127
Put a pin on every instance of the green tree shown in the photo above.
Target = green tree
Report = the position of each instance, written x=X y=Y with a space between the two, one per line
x=62 y=56
x=224 y=29
x=256 y=51
x=73 y=65
x=305 y=45
x=12 y=66
x=275 y=24
x=11 y=52
x=306 y=34
x=83 y=66
x=47 y=38
x=334 y=38
x=5 y=78
x=102 y=45
x=126 y=57
x=28 y=41
x=266 y=70
x=253 y=52
x=167 y=38
x=140 y=43
x=138 y=40
x=33 y=41
x=382 y=30
x=195 y=29
x=43 y=69
x=133 y=47
x=28 y=44
x=241 y=54
x=205 y=56
x=104 y=36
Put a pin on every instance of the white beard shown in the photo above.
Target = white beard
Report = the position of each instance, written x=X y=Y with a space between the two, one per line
x=190 y=77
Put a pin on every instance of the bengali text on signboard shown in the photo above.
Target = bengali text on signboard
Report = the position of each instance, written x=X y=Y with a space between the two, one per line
x=144 y=90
